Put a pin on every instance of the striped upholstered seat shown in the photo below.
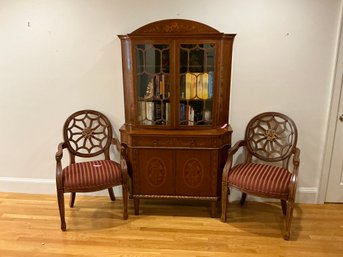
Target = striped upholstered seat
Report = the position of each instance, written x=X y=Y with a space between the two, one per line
x=92 y=175
x=260 y=179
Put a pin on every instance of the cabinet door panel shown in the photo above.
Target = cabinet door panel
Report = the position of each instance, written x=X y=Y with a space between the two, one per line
x=153 y=85
x=154 y=172
x=193 y=172
x=196 y=77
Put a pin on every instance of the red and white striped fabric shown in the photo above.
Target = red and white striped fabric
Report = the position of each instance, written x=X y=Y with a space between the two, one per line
x=261 y=179
x=92 y=175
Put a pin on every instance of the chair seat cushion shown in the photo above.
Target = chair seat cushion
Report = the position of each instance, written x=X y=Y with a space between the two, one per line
x=91 y=176
x=260 y=179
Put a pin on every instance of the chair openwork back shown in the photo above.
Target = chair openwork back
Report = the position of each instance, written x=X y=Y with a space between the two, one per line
x=270 y=137
x=88 y=133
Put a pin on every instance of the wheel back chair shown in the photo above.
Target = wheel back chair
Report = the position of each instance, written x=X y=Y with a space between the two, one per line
x=87 y=134
x=270 y=138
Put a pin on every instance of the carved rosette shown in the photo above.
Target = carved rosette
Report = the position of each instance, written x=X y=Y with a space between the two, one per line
x=193 y=173
x=156 y=172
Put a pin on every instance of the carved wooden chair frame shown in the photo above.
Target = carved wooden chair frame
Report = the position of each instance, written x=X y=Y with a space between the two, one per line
x=270 y=137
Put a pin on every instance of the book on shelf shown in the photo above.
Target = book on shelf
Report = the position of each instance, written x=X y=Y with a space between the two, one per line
x=197 y=85
x=160 y=82
x=141 y=111
x=149 y=113
x=210 y=84
x=167 y=109
x=190 y=115
x=182 y=113
x=158 y=112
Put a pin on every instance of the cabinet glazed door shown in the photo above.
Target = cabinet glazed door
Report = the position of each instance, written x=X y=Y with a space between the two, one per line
x=153 y=172
x=193 y=173
x=196 y=76
x=153 y=83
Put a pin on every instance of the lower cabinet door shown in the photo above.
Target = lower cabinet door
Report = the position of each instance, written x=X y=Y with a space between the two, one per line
x=194 y=174
x=153 y=172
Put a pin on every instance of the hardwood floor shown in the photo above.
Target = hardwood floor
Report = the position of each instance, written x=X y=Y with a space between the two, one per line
x=30 y=227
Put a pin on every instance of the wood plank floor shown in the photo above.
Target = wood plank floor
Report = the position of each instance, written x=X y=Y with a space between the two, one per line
x=29 y=226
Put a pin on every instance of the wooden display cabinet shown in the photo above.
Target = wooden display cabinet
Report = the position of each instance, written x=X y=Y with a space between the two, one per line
x=176 y=77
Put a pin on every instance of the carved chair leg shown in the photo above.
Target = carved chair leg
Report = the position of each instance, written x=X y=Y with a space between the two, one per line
x=136 y=205
x=225 y=196
x=284 y=206
x=244 y=196
x=289 y=216
x=125 y=201
x=72 y=199
x=112 y=196
x=60 y=199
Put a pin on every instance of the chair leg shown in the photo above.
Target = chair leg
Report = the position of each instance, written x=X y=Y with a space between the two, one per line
x=72 y=199
x=112 y=196
x=125 y=201
x=244 y=196
x=60 y=199
x=284 y=206
x=289 y=216
x=225 y=199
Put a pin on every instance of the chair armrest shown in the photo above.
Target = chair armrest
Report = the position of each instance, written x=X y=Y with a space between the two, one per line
x=228 y=163
x=235 y=148
x=59 y=153
x=58 y=157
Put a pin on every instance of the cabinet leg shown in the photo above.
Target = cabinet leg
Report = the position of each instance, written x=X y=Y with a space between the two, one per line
x=213 y=209
x=136 y=205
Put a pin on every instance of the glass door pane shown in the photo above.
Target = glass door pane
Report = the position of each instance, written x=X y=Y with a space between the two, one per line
x=153 y=84
x=197 y=64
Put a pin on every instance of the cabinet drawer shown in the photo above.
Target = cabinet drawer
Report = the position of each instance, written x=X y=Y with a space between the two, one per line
x=152 y=141
x=192 y=142
x=155 y=141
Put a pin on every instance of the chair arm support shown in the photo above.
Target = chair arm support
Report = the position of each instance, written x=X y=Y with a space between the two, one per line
x=123 y=164
x=294 y=178
x=228 y=163
x=116 y=143
x=296 y=157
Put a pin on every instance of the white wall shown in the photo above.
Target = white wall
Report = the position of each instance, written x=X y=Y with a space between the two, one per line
x=57 y=57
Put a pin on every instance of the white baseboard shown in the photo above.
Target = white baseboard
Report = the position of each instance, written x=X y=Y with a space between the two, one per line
x=48 y=186
x=39 y=186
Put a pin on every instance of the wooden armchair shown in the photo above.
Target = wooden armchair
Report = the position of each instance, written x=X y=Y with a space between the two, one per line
x=270 y=138
x=87 y=134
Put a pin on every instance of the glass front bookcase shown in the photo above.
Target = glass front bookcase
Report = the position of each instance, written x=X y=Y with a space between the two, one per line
x=176 y=84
